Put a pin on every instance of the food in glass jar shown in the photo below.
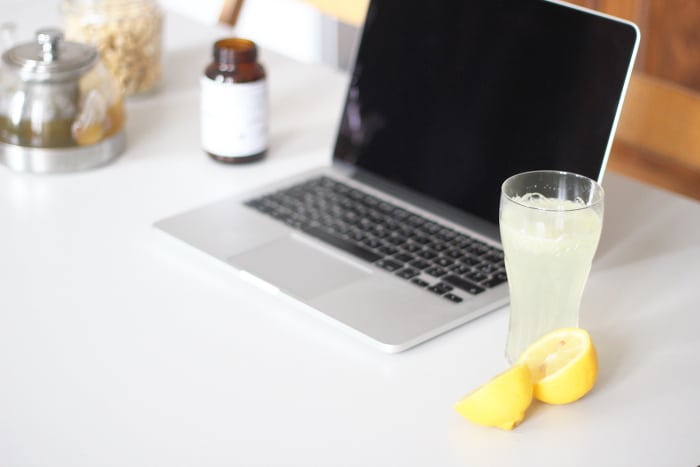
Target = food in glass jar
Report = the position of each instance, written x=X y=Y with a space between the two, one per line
x=127 y=34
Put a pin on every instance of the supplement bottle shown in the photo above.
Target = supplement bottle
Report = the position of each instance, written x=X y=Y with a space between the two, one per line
x=234 y=116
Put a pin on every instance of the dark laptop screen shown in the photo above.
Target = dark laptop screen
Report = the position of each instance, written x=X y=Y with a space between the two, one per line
x=451 y=97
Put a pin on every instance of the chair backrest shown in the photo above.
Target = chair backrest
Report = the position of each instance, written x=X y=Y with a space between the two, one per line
x=348 y=11
x=230 y=9
x=663 y=118
x=658 y=136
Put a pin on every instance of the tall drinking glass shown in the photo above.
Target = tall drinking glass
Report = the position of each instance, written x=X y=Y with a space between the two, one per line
x=550 y=224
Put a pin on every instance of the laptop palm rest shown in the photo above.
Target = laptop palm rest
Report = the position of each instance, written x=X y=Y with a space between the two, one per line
x=298 y=269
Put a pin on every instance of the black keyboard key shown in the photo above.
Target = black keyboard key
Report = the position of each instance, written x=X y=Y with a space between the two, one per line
x=370 y=201
x=477 y=248
x=463 y=284
x=426 y=254
x=404 y=257
x=454 y=254
x=379 y=232
x=439 y=247
x=345 y=245
x=408 y=273
x=430 y=227
x=453 y=298
x=436 y=271
x=419 y=282
x=363 y=225
x=469 y=261
x=355 y=194
x=460 y=241
x=487 y=268
x=399 y=213
x=385 y=207
x=356 y=236
x=415 y=220
x=396 y=239
x=494 y=257
x=421 y=264
x=493 y=282
x=388 y=250
x=411 y=247
x=477 y=276
x=389 y=265
x=390 y=224
x=372 y=242
x=444 y=262
x=404 y=231
x=440 y=288
x=420 y=239
x=460 y=269
x=501 y=275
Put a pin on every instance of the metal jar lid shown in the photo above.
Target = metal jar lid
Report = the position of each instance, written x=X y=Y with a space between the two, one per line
x=50 y=58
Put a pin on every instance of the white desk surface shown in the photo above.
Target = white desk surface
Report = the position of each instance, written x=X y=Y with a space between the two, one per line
x=118 y=348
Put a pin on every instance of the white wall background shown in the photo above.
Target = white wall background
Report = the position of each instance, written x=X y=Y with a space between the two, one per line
x=290 y=27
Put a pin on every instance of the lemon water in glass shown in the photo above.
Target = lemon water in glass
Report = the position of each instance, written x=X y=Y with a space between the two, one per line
x=550 y=224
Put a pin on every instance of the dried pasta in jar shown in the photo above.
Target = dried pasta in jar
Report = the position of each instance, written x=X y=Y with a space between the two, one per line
x=127 y=34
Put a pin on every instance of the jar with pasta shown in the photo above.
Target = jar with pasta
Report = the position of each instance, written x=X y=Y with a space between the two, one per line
x=127 y=34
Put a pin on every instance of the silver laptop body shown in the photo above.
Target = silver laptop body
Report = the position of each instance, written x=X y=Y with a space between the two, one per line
x=436 y=144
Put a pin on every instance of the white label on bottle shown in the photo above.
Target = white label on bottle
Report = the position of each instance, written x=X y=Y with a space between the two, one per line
x=233 y=117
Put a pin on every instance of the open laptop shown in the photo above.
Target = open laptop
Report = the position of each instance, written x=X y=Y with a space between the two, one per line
x=397 y=240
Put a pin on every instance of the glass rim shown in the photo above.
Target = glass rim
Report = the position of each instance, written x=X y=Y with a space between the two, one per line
x=597 y=187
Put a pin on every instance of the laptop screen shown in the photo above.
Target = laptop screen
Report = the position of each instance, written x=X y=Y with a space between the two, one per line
x=449 y=98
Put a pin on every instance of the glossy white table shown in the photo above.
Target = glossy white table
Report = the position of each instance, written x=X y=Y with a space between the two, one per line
x=118 y=348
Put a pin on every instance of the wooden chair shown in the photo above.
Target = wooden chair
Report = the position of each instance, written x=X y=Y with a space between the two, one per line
x=658 y=136
x=230 y=10
x=348 y=11
x=337 y=22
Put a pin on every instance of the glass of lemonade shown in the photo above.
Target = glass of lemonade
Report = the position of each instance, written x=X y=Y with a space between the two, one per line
x=550 y=224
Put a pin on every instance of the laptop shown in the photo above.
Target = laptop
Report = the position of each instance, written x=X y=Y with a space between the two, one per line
x=396 y=241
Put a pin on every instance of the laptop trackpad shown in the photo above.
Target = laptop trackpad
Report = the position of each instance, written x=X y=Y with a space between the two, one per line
x=296 y=268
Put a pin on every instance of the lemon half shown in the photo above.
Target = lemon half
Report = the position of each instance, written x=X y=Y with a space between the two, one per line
x=501 y=402
x=563 y=365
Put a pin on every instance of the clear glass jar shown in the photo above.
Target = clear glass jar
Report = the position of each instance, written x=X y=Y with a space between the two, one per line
x=127 y=34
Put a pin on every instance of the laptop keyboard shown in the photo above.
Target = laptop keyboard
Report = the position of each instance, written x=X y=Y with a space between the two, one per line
x=429 y=255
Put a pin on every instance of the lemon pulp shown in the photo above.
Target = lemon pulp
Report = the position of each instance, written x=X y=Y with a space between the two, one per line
x=563 y=364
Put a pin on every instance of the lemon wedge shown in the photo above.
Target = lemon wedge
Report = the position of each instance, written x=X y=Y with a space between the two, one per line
x=501 y=402
x=563 y=365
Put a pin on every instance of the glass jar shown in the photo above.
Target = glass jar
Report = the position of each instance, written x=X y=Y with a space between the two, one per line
x=127 y=34
x=60 y=109
x=234 y=116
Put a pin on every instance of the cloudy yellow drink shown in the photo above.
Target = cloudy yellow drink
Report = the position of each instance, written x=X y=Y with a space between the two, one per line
x=549 y=245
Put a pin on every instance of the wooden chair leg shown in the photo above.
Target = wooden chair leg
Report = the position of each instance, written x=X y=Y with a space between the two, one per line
x=230 y=11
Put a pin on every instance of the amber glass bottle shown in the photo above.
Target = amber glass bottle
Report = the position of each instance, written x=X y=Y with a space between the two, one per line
x=234 y=115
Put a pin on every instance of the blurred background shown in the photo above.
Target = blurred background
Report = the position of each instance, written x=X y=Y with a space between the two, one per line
x=658 y=135
x=315 y=31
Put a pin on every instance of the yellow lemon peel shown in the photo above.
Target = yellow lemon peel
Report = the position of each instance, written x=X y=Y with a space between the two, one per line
x=501 y=402
x=564 y=365
x=558 y=368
